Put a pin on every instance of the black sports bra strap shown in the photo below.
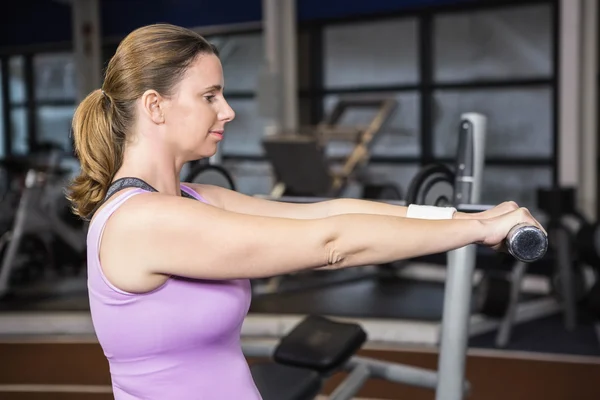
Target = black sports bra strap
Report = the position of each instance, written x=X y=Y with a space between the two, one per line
x=123 y=183
x=127 y=182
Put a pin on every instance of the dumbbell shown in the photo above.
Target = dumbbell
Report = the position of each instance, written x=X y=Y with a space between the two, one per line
x=434 y=185
x=526 y=243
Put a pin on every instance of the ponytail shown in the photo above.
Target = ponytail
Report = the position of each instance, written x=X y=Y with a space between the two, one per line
x=154 y=56
x=99 y=150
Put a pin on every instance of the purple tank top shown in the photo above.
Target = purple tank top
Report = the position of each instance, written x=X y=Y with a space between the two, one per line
x=179 y=341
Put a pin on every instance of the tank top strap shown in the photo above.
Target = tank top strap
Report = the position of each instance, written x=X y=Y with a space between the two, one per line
x=186 y=190
x=97 y=225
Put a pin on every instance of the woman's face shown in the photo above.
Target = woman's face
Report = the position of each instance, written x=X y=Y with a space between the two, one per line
x=197 y=112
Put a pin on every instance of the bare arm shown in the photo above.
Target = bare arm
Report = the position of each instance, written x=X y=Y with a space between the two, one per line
x=170 y=235
x=241 y=203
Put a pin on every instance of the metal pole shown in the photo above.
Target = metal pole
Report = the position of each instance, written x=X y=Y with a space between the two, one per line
x=87 y=46
x=461 y=264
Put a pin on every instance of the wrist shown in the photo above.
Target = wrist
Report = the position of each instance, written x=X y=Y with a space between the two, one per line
x=462 y=215
x=480 y=230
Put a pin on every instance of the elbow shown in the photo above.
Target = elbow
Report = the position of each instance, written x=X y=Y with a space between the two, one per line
x=338 y=245
x=340 y=253
x=330 y=244
x=334 y=256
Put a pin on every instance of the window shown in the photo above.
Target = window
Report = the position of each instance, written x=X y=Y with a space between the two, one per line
x=18 y=105
x=18 y=93
x=519 y=120
x=19 y=125
x=507 y=43
x=514 y=183
x=54 y=125
x=242 y=57
x=54 y=76
x=243 y=135
x=399 y=137
x=380 y=53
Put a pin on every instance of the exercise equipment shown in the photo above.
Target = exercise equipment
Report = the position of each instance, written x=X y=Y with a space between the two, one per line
x=209 y=171
x=577 y=248
x=527 y=243
x=42 y=217
x=316 y=349
x=498 y=293
x=210 y=174
x=300 y=164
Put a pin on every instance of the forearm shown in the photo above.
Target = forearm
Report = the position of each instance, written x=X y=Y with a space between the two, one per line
x=359 y=206
x=370 y=239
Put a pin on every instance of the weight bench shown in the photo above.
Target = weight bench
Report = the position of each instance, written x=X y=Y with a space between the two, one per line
x=314 y=350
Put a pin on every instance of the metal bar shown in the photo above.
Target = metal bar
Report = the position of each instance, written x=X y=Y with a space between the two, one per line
x=398 y=373
x=564 y=267
x=505 y=329
x=455 y=323
x=352 y=384
x=18 y=229
x=461 y=265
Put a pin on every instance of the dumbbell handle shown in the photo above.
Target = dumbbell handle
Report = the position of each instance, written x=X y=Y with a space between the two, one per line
x=526 y=243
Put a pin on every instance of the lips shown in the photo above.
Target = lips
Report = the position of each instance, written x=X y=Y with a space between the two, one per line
x=218 y=133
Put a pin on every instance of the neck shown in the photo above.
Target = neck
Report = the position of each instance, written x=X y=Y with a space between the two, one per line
x=153 y=165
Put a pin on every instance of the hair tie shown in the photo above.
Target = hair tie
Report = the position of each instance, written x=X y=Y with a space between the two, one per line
x=106 y=97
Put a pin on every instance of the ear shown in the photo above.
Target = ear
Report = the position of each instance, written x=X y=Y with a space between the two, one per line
x=153 y=106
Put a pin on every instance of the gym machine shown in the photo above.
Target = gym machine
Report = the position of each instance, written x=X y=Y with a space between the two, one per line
x=207 y=173
x=300 y=164
x=525 y=243
x=499 y=293
x=302 y=168
x=45 y=239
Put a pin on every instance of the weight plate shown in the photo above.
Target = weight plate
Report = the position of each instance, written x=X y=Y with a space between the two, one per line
x=211 y=175
x=433 y=186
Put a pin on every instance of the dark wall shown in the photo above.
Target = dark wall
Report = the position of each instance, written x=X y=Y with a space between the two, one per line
x=27 y=22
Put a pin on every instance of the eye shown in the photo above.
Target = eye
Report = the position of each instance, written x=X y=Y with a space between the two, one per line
x=210 y=98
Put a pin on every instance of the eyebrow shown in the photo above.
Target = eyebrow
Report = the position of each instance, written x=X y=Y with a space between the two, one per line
x=214 y=87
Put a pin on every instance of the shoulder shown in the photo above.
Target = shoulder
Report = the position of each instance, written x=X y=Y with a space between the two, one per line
x=215 y=195
x=116 y=201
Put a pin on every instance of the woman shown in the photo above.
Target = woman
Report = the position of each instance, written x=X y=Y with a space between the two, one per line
x=169 y=275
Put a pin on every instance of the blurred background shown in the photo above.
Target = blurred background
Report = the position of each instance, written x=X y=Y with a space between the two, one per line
x=530 y=67
x=437 y=59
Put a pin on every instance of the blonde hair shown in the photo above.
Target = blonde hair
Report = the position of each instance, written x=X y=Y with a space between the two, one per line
x=152 y=57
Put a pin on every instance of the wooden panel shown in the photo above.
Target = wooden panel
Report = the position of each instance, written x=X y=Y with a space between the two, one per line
x=494 y=375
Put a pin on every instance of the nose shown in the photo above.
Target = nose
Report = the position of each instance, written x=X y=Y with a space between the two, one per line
x=226 y=113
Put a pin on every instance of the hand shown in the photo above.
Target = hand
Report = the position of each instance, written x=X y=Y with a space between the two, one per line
x=496 y=211
x=497 y=228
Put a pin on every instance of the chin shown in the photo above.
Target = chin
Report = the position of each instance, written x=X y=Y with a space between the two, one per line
x=204 y=154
